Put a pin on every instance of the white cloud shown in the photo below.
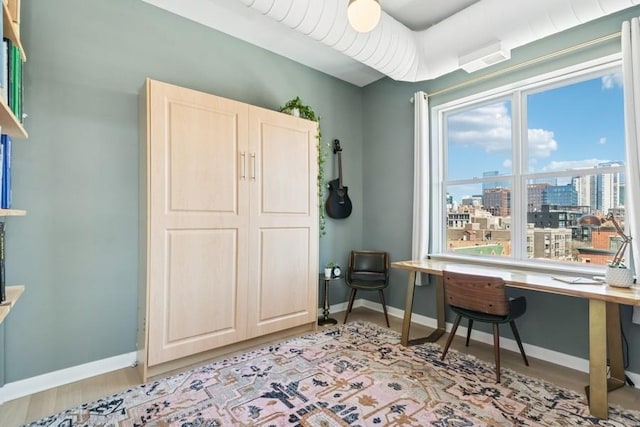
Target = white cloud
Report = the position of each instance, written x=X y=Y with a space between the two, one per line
x=572 y=164
x=541 y=143
x=489 y=128
x=602 y=141
x=611 y=81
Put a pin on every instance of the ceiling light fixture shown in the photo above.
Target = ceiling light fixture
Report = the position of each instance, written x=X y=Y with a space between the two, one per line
x=364 y=15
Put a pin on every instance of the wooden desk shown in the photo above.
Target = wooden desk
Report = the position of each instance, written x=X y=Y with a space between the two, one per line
x=604 y=317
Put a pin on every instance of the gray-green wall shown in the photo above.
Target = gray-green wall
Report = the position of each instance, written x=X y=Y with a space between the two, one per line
x=557 y=323
x=76 y=175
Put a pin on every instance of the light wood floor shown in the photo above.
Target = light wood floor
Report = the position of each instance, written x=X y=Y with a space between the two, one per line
x=30 y=408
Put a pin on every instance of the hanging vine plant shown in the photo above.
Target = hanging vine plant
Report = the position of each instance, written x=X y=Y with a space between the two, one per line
x=296 y=108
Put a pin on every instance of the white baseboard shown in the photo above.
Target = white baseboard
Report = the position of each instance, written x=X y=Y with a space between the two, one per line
x=32 y=385
x=541 y=353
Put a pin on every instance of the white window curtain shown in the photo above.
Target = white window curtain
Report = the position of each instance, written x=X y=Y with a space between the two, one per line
x=630 y=36
x=421 y=181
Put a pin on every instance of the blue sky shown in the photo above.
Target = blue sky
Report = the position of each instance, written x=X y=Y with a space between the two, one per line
x=574 y=126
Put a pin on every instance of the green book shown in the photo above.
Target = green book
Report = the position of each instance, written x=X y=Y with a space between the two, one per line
x=18 y=85
x=10 y=75
x=15 y=70
x=12 y=78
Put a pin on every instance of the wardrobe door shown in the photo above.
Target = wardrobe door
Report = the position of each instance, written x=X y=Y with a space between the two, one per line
x=283 y=236
x=197 y=222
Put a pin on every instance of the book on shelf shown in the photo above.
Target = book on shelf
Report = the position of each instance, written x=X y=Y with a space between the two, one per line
x=15 y=81
x=3 y=290
x=10 y=75
x=5 y=190
x=1 y=168
x=5 y=70
x=20 y=85
x=11 y=78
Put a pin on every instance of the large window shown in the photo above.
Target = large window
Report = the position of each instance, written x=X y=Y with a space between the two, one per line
x=520 y=165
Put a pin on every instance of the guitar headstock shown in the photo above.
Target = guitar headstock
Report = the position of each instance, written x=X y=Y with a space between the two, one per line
x=336 y=146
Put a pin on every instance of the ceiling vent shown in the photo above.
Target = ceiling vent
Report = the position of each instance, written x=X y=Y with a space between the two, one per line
x=484 y=57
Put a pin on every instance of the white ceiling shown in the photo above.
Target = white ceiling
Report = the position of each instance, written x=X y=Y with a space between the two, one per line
x=416 y=39
x=419 y=15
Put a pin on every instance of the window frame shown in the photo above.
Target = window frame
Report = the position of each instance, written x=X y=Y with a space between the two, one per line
x=514 y=93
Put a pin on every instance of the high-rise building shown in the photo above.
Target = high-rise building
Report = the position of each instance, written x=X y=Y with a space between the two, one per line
x=535 y=196
x=561 y=195
x=601 y=192
x=496 y=184
x=583 y=186
x=608 y=185
x=497 y=201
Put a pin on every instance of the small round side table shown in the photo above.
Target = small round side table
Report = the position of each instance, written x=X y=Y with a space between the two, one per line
x=325 y=319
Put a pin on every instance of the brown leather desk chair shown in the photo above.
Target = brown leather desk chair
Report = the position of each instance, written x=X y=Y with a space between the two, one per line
x=483 y=299
x=369 y=271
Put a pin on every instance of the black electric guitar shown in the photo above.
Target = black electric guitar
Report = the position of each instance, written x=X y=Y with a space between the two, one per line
x=338 y=204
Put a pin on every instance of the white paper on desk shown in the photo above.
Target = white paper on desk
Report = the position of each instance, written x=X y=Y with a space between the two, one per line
x=577 y=280
x=636 y=315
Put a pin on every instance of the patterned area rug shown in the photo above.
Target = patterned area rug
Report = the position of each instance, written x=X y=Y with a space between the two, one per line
x=352 y=375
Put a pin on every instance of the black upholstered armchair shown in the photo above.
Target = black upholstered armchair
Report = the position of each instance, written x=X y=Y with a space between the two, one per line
x=369 y=271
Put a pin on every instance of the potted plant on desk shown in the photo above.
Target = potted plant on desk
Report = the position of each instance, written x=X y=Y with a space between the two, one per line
x=619 y=275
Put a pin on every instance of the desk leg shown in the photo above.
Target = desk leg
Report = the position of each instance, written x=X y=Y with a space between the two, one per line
x=440 y=304
x=604 y=333
x=614 y=345
x=408 y=308
x=597 y=390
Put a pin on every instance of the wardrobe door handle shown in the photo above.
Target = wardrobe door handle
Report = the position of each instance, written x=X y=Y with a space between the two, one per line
x=243 y=165
x=253 y=166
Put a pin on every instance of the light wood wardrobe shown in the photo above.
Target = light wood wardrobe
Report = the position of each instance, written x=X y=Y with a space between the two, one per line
x=229 y=226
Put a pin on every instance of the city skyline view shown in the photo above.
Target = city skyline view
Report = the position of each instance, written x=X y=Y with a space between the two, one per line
x=522 y=168
x=571 y=127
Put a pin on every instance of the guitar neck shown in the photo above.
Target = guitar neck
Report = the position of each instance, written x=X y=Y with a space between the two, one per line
x=340 y=169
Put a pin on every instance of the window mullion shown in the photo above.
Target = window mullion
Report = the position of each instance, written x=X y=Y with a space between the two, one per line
x=519 y=193
x=438 y=153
